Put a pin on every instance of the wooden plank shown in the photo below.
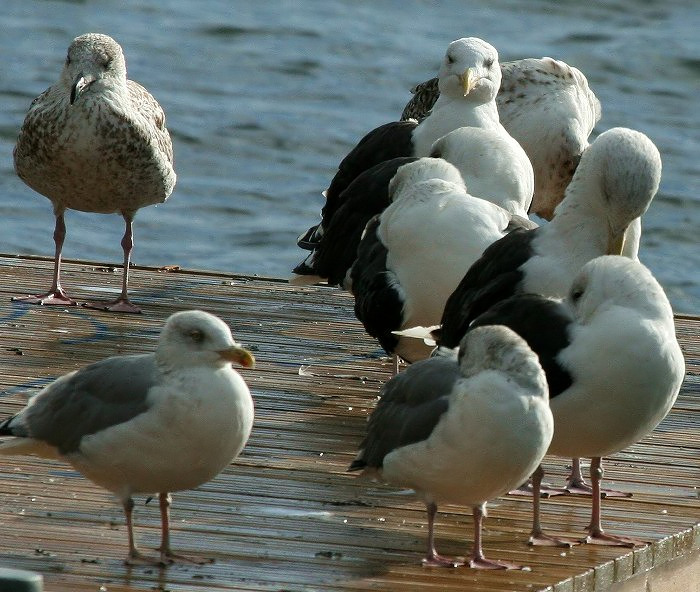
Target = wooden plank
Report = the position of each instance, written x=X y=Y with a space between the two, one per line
x=287 y=515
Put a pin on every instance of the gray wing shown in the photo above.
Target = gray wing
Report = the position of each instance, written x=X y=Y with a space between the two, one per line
x=410 y=407
x=92 y=399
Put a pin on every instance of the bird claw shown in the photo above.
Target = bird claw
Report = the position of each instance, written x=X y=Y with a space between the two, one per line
x=52 y=298
x=545 y=540
x=119 y=305
x=602 y=538
x=483 y=563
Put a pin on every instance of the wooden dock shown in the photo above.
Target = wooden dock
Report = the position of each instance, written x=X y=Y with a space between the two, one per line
x=287 y=516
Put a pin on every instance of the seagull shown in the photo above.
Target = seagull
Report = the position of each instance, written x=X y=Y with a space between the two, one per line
x=147 y=423
x=548 y=107
x=614 y=184
x=614 y=367
x=413 y=255
x=462 y=430
x=469 y=78
x=95 y=142
x=492 y=164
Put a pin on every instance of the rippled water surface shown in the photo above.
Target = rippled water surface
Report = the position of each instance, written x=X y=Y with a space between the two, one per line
x=263 y=99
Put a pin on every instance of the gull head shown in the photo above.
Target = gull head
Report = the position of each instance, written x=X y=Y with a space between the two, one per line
x=500 y=349
x=423 y=169
x=197 y=338
x=615 y=281
x=622 y=168
x=94 y=62
x=470 y=70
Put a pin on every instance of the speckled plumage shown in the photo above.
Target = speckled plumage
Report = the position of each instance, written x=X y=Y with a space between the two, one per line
x=96 y=141
x=548 y=107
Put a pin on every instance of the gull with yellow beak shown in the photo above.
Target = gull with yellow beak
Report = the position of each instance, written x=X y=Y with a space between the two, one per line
x=469 y=78
x=146 y=423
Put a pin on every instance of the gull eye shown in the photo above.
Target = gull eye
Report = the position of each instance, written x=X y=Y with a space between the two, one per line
x=488 y=62
x=449 y=59
x=576 y=294
x=196 y=335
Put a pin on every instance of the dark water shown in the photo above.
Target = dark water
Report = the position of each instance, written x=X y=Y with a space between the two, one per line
x=264 y=98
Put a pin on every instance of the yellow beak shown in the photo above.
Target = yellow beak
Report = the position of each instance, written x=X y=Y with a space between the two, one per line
x=468 y=80
x=616 y=242
x=238 y=355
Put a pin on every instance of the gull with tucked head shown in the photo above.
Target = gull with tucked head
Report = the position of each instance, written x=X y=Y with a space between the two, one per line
x=462 y=430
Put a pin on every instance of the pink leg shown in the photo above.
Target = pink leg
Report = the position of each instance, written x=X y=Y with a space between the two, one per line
x=122 y=304
x=477 y=560
x=432 y=558
x=166 y=554
x=596 y=535
x=537 y=536
x=576 y=485
x=55 y=295
x=135 y=557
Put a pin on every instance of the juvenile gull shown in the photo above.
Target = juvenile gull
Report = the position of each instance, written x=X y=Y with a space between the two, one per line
x=462 y=431
x=149 y=423
x=613 y=365
x=469 y=78
x=95 y=142
x=548 y=107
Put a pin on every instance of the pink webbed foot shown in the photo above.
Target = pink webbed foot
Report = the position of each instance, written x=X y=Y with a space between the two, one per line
x=484 y=563
x=546 y=490
x=435 y=560
x=598 y=537
x=52 y=298
x=135 y=557
x=577 y=486
x=119 y=305
x=541 y=539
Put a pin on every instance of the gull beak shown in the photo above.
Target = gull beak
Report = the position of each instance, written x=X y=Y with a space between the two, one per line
x=79 y=86
x=468 y=80
x=238 y=355
x=616 y=242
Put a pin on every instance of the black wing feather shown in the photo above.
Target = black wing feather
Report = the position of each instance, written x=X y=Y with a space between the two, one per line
x=494 y=276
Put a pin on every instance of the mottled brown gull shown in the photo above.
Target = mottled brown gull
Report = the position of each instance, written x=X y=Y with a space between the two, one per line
x=95 y=142
x=147 y=423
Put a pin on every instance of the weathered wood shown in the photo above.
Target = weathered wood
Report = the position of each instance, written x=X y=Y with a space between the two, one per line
x=287 y=515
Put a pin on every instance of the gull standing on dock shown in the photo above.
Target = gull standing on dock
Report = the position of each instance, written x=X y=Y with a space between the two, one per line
x=147 y=423
x=613 y=364
x=95 y=142
x=462 y=431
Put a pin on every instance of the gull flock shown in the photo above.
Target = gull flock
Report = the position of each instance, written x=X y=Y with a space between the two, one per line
x=521 y=340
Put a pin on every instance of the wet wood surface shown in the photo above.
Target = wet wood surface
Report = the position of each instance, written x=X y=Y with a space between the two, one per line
x=286 y=515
